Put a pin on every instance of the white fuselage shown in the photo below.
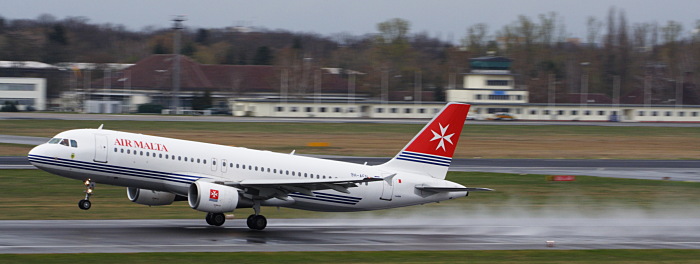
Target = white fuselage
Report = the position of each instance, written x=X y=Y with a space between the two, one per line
x=172 y=165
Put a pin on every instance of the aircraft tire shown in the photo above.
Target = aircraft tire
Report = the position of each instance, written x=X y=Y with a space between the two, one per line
x=249 y=221
x=257 y=222
x=84 y=204
x=208 y=219
x=217 y=219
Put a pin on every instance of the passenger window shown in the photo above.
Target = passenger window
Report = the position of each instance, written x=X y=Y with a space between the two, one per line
x=73 y=143
x=54 y=141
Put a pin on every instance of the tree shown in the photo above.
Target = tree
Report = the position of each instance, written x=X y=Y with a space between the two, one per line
x=476 y=38
x=202 y=36
x=56 y=45
x=159 y=48
x=263 y=56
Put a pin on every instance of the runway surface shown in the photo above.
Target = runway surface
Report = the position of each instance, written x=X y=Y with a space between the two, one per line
x=118 y=236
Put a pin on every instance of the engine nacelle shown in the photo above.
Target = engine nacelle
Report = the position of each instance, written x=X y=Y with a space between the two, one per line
x=149 y=197
x=211 y=197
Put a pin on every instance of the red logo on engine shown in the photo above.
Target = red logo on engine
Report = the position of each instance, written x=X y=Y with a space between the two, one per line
x=213 y=195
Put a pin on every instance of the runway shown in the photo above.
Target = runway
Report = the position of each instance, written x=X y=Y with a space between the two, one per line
x=124 y=236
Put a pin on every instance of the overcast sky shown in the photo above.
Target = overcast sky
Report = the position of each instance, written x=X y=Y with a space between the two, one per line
x=446 y=19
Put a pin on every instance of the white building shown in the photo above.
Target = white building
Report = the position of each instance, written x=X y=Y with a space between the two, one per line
x=28 y=93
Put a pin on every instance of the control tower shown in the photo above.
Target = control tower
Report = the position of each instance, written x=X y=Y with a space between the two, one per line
x=490 y=81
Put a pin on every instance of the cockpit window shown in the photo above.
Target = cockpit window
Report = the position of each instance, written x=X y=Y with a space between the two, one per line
x=73 y=143
x=64 y=142
x=54 y=141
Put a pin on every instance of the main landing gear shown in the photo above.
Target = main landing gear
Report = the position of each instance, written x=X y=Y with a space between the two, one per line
x=256 y=221
x=85 y=204
x=215 y=219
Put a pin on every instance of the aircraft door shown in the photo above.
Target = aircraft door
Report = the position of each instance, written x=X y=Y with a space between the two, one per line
x=223 y=165
x=101 y=148
x=213 y=164
x=388 y=186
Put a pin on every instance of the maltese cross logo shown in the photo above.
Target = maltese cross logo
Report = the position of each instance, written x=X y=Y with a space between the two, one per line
x=213 y=195
x=442 y=137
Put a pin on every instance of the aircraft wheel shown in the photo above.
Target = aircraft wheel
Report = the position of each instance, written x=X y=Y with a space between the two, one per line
x=84 y=204
x=257 y=222
x=208 y=218
x=249 y=221
x=217 y=219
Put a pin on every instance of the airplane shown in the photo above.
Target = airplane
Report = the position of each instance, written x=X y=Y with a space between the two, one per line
x=218 y=179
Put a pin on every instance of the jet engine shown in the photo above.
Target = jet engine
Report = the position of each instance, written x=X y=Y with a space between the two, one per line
x=149 y=197
x=212 y=198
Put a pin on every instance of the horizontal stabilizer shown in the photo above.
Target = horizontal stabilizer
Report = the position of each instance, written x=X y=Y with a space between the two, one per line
x=452 y=189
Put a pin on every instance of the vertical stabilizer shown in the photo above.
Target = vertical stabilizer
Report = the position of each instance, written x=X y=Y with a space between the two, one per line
x=430 y=151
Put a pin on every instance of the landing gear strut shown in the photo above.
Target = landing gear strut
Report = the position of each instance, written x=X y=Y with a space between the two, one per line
x=85 y=204
x=215 y=219
x=256 y=221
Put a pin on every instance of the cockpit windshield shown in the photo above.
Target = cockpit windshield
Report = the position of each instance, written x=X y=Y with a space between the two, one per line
x=64 y=141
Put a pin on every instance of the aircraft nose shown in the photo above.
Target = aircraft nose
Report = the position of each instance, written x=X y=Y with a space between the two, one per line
x=34 y=151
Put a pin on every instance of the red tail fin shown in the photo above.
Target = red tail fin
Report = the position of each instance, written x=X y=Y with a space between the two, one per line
x=431 y=151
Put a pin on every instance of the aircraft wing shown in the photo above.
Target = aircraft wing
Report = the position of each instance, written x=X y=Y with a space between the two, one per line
x=452 y=189
x=280 y=188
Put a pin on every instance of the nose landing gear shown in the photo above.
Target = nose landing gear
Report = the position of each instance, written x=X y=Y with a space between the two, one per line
x=85 y=204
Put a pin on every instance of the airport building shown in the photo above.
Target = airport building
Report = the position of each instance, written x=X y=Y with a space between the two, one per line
x=490 y=87
x=270 y=91
x=26 y=93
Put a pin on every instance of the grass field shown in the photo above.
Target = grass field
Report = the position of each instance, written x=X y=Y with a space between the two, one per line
x=34 y=194
x=484 y=141
x=473 y=257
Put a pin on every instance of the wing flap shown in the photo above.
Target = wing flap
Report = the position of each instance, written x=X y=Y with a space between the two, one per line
x=281 y=187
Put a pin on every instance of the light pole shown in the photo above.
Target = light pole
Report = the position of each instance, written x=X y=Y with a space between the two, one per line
x=177 y=27
x=584 y=86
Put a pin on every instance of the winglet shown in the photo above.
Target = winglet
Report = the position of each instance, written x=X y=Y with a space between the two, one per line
x=100 y=128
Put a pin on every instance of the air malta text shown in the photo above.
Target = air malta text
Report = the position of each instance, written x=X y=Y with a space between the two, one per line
x=140 y=144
